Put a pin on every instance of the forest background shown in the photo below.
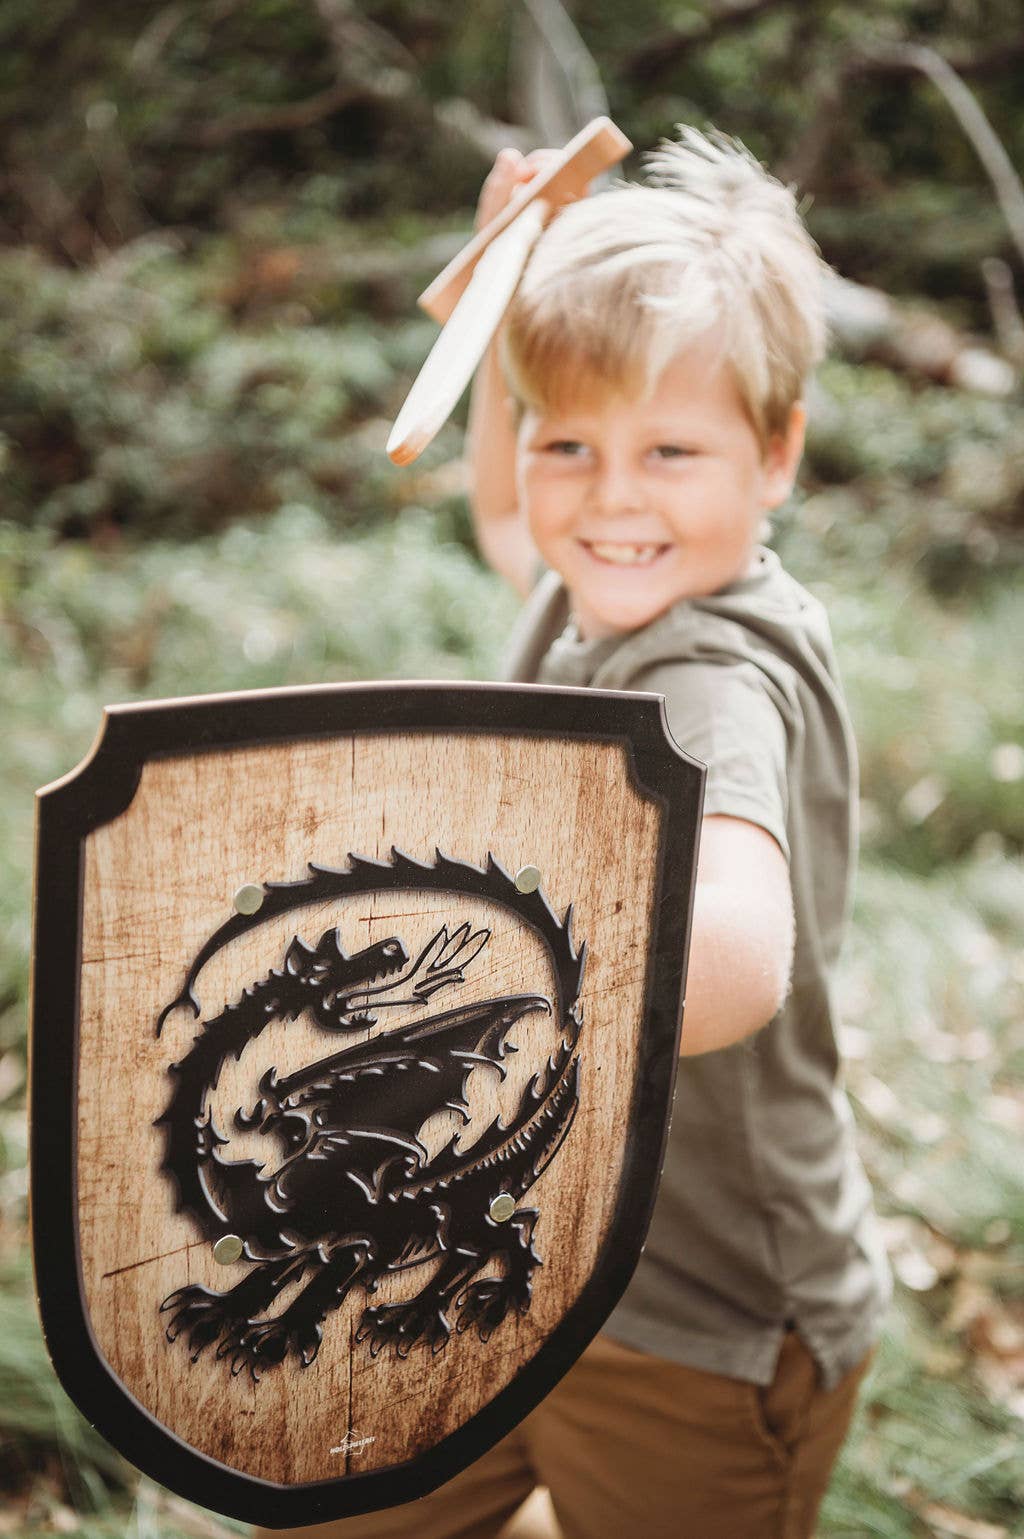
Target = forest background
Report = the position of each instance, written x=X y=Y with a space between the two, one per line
x=214 y=220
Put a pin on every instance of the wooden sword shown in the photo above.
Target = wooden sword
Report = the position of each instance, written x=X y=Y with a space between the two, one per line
x=473 y=292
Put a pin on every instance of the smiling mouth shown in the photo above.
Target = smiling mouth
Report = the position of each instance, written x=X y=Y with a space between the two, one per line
x=622 y=554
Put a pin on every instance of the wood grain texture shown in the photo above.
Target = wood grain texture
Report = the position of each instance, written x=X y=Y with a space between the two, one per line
x=159 y=880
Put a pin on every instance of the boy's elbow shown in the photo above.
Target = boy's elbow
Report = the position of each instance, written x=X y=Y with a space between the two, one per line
x=711 y=1025
x=740 y=972
x=776 y=967
x=770 y=941
x=780 y=978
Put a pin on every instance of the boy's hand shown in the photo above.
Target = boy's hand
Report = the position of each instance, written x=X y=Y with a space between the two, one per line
x=511 y=170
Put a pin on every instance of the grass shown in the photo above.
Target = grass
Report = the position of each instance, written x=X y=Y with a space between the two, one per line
x=933 y=993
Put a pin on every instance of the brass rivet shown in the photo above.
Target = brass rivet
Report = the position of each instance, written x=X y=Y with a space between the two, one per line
x=528 y=879
x=248 y=899
x=502 y=1208
x=227 y=1249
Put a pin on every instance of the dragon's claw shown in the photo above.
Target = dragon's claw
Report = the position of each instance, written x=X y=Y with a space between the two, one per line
x=420 y=1319
x=262 y=1344
x=485 y=1304
x=199 y=1313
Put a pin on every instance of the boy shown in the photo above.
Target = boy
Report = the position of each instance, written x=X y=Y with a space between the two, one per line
x=656 y=353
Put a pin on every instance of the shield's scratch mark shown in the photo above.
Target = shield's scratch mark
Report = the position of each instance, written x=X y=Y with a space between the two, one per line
x=495 y=1355
x=413 y=914
x=132 y=1265
x=117 y=956
x=616 y=988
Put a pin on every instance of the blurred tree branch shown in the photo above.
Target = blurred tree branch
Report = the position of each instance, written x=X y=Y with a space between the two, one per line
x=1002 y=302
x=657 y=57
x=370 y=65
x=892 y=60
x=866 y=324
x=967 y=110
x=154 y=38
x=556 y=84
x=669 y=48
x=917 y=59
x=284 y=117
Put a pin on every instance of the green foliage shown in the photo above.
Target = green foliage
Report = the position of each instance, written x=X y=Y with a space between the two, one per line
x=940 y=729
x=36 y=1416
x=917 y=236
x=925 y=1436
x=923 y=541
x=927 y=1443
x=934 y=996
x=134 y=399
x=174 y=117
x=869 y=422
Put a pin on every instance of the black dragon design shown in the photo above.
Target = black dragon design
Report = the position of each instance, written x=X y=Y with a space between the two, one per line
x=351 y=1194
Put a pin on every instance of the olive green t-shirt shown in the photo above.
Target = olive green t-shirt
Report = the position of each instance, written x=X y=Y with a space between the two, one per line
x=763 y=1218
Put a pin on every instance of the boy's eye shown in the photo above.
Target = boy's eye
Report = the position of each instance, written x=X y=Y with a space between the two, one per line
x=673 y=451
x=567 y=446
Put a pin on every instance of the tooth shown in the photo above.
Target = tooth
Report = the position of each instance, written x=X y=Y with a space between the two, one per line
x=625 y=555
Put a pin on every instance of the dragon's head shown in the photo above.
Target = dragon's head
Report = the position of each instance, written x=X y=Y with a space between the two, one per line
x=344 y=990
x=340 y=985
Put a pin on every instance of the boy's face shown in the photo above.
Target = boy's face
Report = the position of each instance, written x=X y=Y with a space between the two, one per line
x=638 y=503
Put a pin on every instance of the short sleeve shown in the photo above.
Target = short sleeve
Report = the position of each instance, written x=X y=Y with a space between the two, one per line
x=724 y=715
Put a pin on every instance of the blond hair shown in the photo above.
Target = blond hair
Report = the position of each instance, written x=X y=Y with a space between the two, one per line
x=622 y=282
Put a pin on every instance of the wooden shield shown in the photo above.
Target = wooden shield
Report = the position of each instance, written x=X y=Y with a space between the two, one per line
x=355 y=1025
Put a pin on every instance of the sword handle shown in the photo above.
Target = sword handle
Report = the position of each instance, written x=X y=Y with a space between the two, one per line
x=594 y=149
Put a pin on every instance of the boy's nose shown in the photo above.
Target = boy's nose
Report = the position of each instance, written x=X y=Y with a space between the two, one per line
x=616 y=491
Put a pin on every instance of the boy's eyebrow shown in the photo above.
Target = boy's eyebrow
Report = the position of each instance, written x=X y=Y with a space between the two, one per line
x=668 y=426
x=548 y=424
x=562 y=414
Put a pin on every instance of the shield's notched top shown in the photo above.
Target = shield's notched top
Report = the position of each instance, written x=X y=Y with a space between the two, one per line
x=465 y=1238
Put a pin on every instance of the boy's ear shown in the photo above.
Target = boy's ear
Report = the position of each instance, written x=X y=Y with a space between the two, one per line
x=782 y=457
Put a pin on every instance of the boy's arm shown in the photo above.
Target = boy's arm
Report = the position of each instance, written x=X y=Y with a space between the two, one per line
x=741 y=945
x=500 y=528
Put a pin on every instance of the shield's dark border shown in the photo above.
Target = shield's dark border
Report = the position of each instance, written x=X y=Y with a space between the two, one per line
x=103 y=787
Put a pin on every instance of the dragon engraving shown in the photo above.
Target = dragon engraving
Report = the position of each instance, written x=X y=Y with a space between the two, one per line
x=349 y=1193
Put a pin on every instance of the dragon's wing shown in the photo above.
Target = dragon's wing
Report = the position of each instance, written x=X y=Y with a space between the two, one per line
x=394 y=1082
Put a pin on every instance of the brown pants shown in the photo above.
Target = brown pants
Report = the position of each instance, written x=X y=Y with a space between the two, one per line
x=632 y=1445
